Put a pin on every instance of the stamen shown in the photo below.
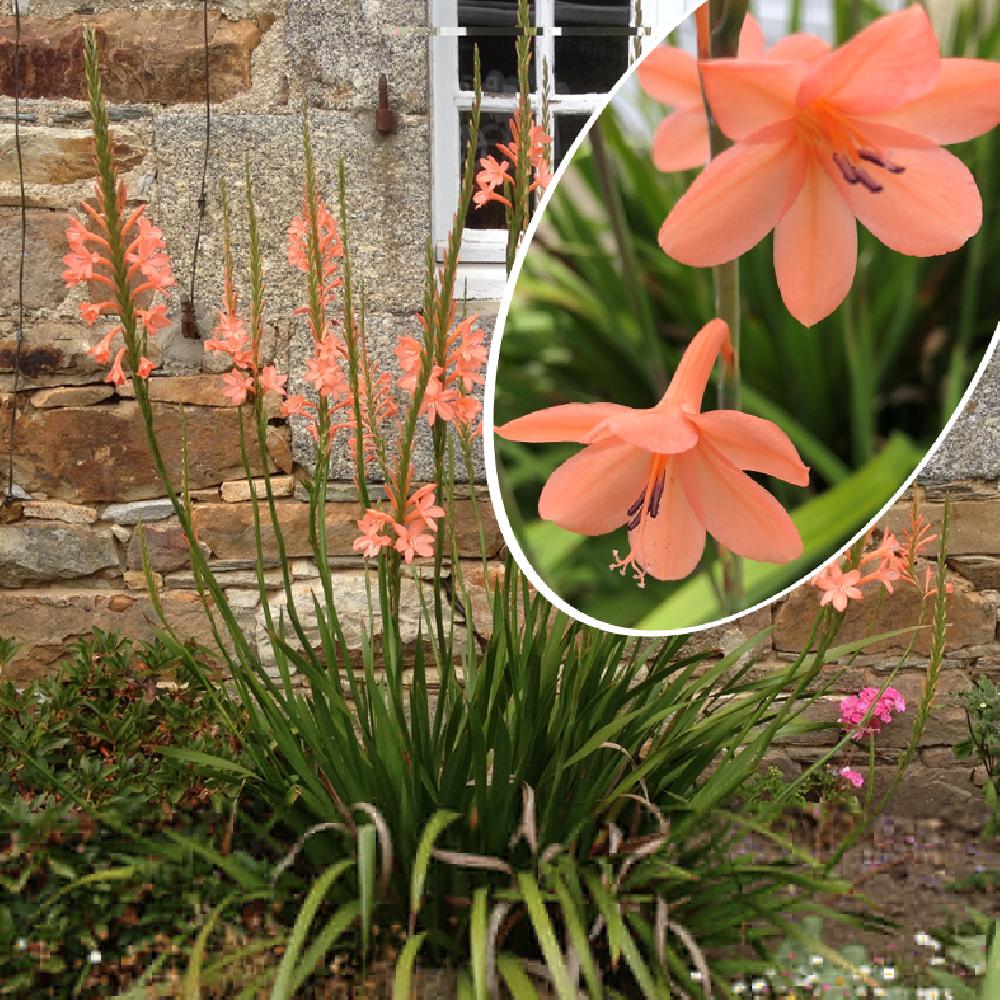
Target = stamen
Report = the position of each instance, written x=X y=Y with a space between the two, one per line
x=626 y=564
x=856 y=175
x=637 y=506
x=656 y=496
x=880 y=161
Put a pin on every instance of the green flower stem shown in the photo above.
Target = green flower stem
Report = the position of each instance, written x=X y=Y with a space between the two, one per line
x=726 y=21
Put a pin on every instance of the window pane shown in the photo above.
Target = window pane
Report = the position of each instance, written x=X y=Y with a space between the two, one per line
x=567 y=128
x=497 y=24
x=589 y=61
x=493 y=128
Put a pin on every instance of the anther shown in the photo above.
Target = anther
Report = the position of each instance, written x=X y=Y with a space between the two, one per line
x=637 y=506
x=655 y=497
x=856 y=175
x=880 y=161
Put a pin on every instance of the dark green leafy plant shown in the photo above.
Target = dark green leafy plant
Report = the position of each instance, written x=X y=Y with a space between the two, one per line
x=83 y=907
x=982 y=712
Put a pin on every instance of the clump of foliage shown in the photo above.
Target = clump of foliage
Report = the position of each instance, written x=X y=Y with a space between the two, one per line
x=100 y=723
x=982 y=712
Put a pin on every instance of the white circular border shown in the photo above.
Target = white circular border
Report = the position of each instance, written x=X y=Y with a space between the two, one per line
x=492 y=478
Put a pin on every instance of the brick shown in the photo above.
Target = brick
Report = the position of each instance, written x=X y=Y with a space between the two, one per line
x=71 y=395
x=88 y=453
x=145 y=56
x=47 y=551
x=971 y=620
x=44 y=250
x=59 y=155
x=44 y=622
x=228 y=529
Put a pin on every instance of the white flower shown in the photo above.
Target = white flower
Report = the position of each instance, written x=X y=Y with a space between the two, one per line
x=22 y=944
x=94 y=957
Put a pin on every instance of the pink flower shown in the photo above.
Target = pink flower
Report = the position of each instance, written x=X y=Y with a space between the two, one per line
x=413 y=542
x=838 y=587
x=854 y=708
x=91 y=311
x=146 y=368
x=371 y=541
x=154 y=318
x=295 y=405
x=236 y=385
x=852 y=777
x=271 y=380
x=116 y=376
x=101 y=351
x=424 y=508
x=438 y=401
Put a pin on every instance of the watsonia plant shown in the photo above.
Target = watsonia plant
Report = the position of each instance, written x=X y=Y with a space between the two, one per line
x=539 y=799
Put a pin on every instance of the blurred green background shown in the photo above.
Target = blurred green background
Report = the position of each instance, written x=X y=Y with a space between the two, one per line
x=601 y=313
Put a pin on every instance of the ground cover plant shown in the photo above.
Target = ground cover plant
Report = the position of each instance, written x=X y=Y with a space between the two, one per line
x=563 y=810
x=607 y=301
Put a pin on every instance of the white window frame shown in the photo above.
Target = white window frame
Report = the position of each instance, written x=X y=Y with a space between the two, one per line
x=482 y=273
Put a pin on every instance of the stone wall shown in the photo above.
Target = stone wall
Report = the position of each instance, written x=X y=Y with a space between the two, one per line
x=71 y=560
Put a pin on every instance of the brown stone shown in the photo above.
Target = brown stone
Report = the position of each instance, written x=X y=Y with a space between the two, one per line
x=51 y=550
x=58 y=155
x=166 y=546
x=45 y=248
x=279 y=448
x=44 y=622
x=971 y=620
x=145 y=56
x=59 y=510
x=983 y=572
x=228 y=529
x=51 y=353
x=71 y=395
x=87 y=453
x=238 y=491
x=192 y=390
x=973 y=529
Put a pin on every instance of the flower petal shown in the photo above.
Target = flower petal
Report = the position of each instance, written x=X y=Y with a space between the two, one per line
x=591 y=492
x=805 y=48
x=670 y=75
x=669 y=546
x=688 y=385
x=746 y=96
x=933 y=208
x=752 y=444
x=659 y=430
x=738 y=512
x=964 y=104
x=681 y=141
x=894 y=60
x=568 y=422
x=816 y=249
x=734 y=203
x=753 y=45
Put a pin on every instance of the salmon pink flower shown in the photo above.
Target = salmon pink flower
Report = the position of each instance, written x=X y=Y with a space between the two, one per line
x=854 y=135
x=146 y=368
x=838 y=587
x=424 y=509
x=294 y=406
x=271 y=380
x=670 y=76
x=412 y=542
x=116 y=374
x=236 y=385
x=371 y=541
x=670 y=473
x=101 y=351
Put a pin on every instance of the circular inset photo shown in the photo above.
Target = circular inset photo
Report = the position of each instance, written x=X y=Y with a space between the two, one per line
x=756 y=293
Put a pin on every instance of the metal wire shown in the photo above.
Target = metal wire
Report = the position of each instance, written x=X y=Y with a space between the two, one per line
x=189 y=323
x=19 y=334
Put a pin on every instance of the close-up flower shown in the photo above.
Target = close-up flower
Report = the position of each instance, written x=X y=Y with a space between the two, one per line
x=671 y=473
x=819 y=145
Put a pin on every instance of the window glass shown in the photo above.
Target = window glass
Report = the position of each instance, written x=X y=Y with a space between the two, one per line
x=591 y=54
x=494 y=27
